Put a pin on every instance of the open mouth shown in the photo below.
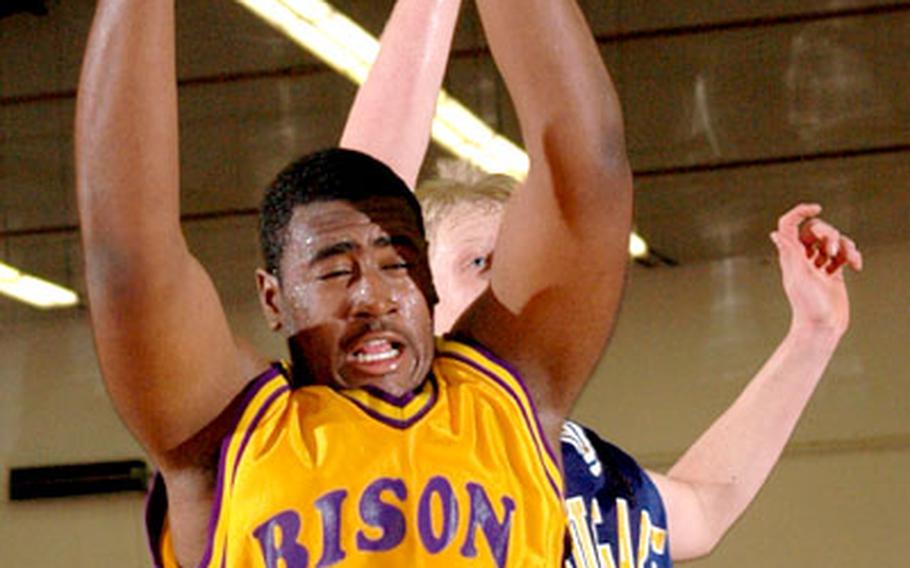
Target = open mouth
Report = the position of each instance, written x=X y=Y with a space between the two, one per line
x=376 y=350
x=376 y=356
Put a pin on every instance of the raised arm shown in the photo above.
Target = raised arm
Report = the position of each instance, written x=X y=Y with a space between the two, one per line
x=393 y=112
x=714 y=481
x=166 y=353
x=561 y=257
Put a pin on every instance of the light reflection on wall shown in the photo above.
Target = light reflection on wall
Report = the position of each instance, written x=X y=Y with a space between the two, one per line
x=830 y=82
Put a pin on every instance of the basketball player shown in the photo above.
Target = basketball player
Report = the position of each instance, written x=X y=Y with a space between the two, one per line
x=616 y=510
x=357 y=453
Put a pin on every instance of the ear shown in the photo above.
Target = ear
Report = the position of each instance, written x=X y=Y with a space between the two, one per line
x=270 y=298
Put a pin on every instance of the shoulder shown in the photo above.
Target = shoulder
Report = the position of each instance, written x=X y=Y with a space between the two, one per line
x=466 y=368
x=471 y=354
x=463 y=362
x=202 y=449
x=594 y=465
x=181 y=496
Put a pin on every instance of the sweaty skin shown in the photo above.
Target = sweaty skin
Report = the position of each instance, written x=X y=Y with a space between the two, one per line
x=360 y=294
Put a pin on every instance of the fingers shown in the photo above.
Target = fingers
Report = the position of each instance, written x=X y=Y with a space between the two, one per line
x=852 y=256
x=822 y=243
x=788 y=224
x=816 y=234
x=828 y=248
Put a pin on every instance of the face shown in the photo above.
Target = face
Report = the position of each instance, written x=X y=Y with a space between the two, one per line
x=460 y=256
x=353 y=297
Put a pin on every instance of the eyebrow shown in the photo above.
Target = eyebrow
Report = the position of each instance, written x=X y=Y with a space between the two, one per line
x=345 y=247
x=336 y=249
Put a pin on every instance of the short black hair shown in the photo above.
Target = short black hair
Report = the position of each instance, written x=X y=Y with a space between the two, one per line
x=327 y=175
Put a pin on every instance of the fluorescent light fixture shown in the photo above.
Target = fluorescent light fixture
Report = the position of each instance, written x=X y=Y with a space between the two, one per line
x=329 y=34
x=33 y=290
x=638 y=248
x=350 y=50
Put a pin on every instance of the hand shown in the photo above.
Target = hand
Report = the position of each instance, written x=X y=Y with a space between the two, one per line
x=812 y=256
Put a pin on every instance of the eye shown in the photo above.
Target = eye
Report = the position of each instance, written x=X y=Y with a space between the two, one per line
x=480 y=263
x=336 y=273
x=395 y=266
x=397 y=259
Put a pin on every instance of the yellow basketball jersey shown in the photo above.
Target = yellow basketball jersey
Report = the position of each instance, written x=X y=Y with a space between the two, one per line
x=457 y=473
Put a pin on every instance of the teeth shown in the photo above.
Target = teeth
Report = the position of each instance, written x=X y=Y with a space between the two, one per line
x=373 y=357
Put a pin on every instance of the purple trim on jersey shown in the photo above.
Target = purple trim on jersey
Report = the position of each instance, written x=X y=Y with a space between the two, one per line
x=250 y=393
x=399 y=401
x=254 y=389
x=255 y=422
x=395 y=423
x=155 y=509
x=517 y=376
x=528 y=423
x=157 y=504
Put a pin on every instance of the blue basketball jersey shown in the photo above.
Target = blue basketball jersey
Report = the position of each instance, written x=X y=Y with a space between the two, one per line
x=616 y=515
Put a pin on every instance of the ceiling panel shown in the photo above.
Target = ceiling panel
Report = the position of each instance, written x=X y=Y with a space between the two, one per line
x=758 y=93
x=715 y=119
x=728 y=213
x=236 y=136
x=637 y=15
x=227 y=247
x=224 y=38
x=37 y=159
x=42 y=54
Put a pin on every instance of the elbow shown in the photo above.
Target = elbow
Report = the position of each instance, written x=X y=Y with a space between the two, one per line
x=700 y=518
x=610 y=159
x=594 y=164
x=600 y=140
x=695 y=545
x=707 y=545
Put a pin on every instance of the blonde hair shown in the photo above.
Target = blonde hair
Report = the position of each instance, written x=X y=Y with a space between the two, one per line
x=459 y=184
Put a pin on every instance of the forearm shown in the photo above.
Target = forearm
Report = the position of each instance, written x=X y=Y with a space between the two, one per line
x=556 y=284
x=126 y=130
x=393 y=112
x=729 y=463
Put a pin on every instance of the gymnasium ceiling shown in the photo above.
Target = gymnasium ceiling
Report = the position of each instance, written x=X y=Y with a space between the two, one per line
x=734 y=111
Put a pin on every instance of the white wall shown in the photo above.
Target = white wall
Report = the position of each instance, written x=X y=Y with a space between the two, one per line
x=688 y=340
x=53 y=410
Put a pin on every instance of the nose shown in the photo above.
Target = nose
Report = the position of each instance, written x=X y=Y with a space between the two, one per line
x=372 y=295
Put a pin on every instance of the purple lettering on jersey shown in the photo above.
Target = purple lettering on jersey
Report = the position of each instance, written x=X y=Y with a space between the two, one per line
x=288 y=524
x=329 y=506
x=496 y=532
x=441 y=487
x=377 y=513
